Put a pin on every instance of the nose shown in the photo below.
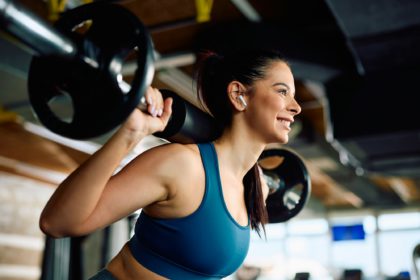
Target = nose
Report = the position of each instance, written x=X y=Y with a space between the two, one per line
x=294 y=107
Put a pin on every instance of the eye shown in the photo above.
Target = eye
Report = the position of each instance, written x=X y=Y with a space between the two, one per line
x=283 y=91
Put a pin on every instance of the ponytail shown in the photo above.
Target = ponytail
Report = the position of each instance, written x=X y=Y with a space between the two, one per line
x=211 y=82
x=254 y=200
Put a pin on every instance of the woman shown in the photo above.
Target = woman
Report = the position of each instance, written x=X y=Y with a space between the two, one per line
x=199 y=201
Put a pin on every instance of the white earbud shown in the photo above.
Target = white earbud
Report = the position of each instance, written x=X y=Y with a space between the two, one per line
x=242 y=100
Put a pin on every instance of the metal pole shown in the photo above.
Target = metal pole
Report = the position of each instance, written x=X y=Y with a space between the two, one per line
x=34 y=31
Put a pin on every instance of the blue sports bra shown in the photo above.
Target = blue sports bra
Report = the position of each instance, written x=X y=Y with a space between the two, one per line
x=207 y=244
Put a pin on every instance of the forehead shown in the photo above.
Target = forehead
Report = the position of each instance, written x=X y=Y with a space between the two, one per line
x=279 y=72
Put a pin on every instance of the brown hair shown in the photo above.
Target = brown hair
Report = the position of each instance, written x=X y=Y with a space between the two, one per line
x=212 y=76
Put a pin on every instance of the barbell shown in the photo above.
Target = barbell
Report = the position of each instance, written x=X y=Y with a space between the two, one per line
x=83 y=57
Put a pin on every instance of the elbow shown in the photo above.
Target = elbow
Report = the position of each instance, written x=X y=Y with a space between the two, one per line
x=55 y=230
x=50 y=229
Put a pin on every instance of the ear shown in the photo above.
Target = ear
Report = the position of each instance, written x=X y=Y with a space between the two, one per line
x=236 y=93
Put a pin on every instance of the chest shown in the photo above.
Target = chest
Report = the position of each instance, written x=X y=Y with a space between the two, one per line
x=190 y=196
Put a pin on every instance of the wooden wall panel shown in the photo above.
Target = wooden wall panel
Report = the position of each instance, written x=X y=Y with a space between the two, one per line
x=18 y=144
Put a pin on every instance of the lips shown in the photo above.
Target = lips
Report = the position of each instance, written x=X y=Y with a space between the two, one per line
x=286 y=122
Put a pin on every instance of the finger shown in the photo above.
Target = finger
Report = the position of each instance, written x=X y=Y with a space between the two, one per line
x=159 y=102
x=149 y=99
x=149 y=95
x=144 y=103
x=167 y=110
x=152 y=101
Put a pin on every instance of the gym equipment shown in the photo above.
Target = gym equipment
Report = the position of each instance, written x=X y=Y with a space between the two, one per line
x=187 y=124
x=82 y=57
x=288 y=181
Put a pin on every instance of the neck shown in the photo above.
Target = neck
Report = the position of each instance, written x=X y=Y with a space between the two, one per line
x=238 y=151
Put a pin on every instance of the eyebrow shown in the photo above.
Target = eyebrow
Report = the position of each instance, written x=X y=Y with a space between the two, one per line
x=281 y=84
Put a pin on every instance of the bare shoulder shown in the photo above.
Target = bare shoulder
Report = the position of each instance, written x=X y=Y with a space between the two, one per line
x=173 y=153
x=170 y=161
x=182 y=173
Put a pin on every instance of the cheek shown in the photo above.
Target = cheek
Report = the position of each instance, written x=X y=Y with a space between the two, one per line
x=262 y=112
x=273 y=102
x=269 y=106
x=263 y=116
x=278 y=103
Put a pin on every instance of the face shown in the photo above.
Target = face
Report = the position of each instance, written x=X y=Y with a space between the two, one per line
x=272 y=105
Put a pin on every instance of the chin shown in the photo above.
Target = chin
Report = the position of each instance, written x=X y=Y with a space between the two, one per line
x=282 y=139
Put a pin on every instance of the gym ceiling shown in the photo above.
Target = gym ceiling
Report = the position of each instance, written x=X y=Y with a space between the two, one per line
x=356 y=65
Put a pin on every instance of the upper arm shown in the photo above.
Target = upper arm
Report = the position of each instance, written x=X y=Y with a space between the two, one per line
x=147 y=179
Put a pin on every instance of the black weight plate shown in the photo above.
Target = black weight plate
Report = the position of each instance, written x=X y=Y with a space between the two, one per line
x=295 y=187
x=99 y=102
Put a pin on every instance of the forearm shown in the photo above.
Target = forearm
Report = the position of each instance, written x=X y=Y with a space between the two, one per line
x=77 y=197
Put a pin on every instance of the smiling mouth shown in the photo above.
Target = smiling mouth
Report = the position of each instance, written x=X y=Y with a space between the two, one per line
x=285 y=123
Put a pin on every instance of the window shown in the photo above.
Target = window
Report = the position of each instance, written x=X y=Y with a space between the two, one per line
x=346 y=254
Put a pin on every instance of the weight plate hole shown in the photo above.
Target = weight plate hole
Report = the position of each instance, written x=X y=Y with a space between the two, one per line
x=62 y=106
x=126 y=69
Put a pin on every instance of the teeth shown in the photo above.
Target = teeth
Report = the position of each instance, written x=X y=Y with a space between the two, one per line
x=287 y=123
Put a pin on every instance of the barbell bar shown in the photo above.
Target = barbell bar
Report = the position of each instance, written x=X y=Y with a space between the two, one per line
x=87 y=64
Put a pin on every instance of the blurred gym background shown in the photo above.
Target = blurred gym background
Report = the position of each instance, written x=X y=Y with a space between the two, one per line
x=356 y=65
